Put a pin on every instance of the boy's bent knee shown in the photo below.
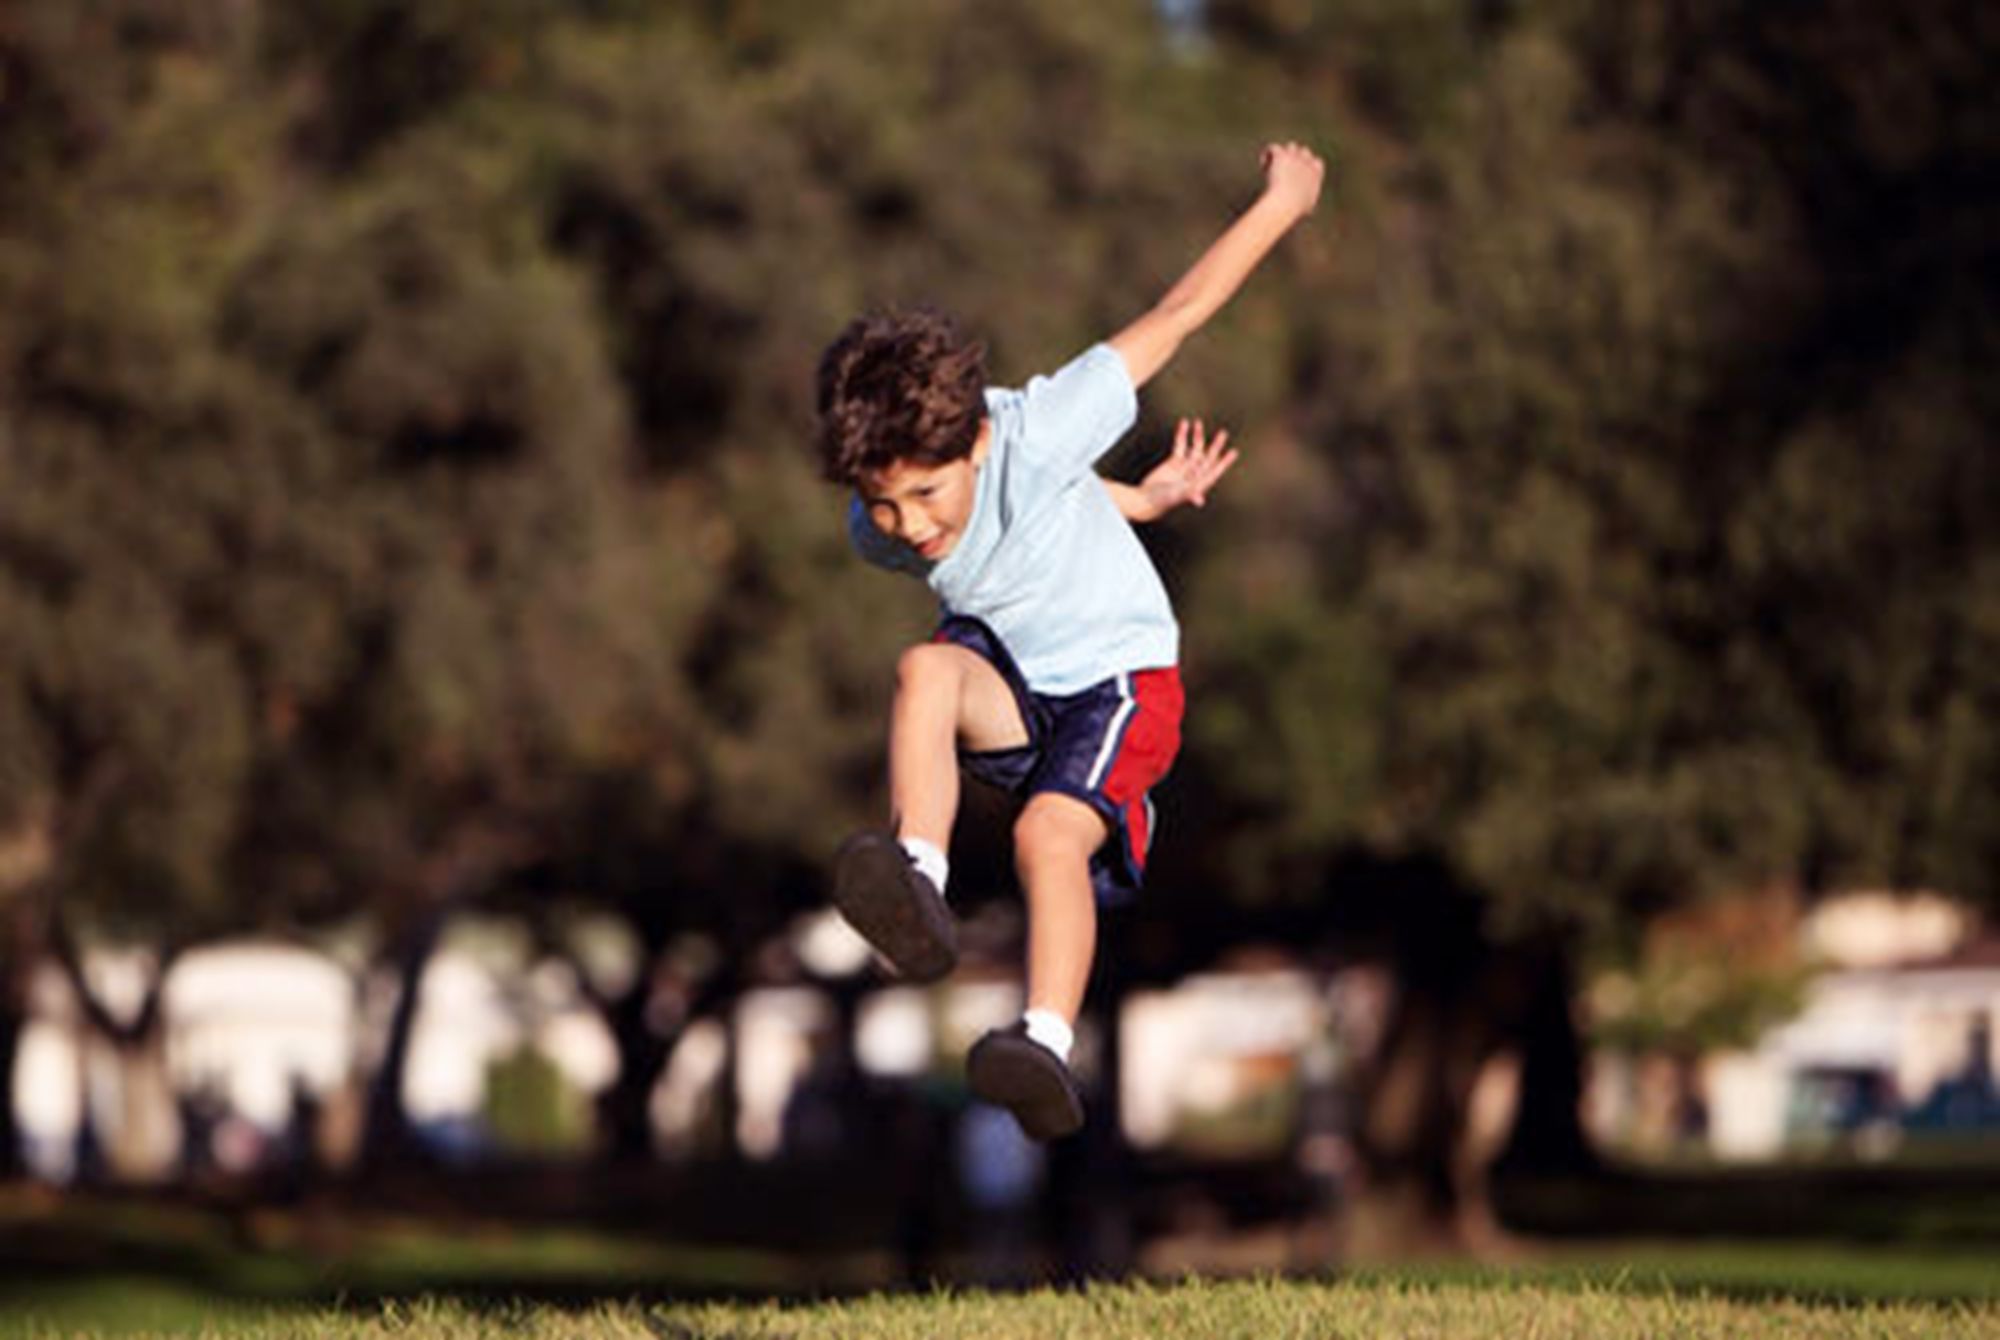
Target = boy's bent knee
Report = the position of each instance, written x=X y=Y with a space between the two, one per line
x=931 y=664
x=1058 y=825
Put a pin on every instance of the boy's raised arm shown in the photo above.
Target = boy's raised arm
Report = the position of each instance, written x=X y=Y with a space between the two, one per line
x=1292 y=176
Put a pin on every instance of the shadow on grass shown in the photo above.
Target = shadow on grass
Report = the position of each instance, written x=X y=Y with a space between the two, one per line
x=1945 y=1206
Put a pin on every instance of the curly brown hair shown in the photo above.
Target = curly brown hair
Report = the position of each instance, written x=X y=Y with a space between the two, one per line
x=899 y=386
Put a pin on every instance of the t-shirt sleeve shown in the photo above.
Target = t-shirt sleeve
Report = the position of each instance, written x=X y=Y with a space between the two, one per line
x=877 y=548
x=1075 y=415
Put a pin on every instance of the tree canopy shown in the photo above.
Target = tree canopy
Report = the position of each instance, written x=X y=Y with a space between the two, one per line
x=404 y=419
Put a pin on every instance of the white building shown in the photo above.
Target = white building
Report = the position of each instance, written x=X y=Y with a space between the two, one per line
x=252 y=1024
x=1910 y=1001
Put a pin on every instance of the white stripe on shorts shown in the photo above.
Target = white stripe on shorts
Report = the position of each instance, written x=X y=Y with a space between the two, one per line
x=1126 y=706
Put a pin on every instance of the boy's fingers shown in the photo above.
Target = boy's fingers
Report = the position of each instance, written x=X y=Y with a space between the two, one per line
x=1204 y=457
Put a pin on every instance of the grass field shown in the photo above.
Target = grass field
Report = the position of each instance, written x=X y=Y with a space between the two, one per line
x=1251 y=1310
x=1761 y=1290
x=131 y=1267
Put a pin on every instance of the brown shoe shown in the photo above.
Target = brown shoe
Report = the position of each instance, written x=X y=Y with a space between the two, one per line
x=1010 y=1069
x=894 y=907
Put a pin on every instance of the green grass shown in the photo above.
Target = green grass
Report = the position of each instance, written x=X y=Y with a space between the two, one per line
x=1807 y=1272
x=89 y=1266
x=1631 y=1291
x=1251 y=1310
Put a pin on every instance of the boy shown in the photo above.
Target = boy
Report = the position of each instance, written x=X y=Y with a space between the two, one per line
x=1053 y=674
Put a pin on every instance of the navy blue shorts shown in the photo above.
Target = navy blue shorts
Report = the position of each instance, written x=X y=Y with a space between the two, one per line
x=1106 y=745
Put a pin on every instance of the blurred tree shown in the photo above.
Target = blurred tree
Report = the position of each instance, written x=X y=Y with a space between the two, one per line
x=1711 y=977
x=122 y=734
x=1648 y=577
x=316 y=531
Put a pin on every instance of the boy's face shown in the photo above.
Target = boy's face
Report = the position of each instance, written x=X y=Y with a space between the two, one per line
x=926 y=506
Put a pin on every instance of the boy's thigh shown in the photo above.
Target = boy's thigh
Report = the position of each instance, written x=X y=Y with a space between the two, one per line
x=997 y=713
x=989 y=714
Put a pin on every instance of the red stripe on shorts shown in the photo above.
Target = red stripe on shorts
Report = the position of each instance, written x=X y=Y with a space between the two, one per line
x=1152 y=739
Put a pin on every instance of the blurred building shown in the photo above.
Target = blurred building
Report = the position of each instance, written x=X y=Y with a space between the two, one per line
x=256 y=1034
x=1219 y=1061
x=1897 y=1040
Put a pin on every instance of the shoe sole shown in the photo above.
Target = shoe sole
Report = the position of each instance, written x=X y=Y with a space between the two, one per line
x=871 y=887
x=1004 y=1072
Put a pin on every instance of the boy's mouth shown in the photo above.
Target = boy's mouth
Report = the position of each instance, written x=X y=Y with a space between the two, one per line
x=934 y=547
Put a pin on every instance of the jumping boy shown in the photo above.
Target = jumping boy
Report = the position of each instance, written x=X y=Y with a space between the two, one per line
x=1053 y=674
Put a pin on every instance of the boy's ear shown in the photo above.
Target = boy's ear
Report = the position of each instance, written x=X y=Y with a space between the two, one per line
x=983 y=444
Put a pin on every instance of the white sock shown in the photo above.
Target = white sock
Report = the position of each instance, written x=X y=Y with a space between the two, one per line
x=1052 y=1031
x=928 y=859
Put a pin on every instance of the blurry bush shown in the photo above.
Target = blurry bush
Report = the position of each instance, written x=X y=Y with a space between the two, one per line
x=532 y=1110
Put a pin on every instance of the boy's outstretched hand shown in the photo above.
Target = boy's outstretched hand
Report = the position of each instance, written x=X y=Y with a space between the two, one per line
x=1189 y=471
x=1293 y=174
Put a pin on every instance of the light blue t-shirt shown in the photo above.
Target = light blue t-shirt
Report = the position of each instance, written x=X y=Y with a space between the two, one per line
x=1046 y=560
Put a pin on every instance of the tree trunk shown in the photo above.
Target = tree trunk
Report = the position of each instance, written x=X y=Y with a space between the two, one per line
x=13 y=1161
x=17 y=968
x=1418 y=1193
x=1548 y=1139
x=387 y=1138
x=468 y=862
x=646 y=1045
x=624 y=1115
x=142 y=1135
x=1440 y=1089
x=136 y=1128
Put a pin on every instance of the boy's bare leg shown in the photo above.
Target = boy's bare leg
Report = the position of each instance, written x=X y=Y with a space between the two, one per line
x=945 y=696
x=1025 y=1068
x=890 y=886
x=1053 y=842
